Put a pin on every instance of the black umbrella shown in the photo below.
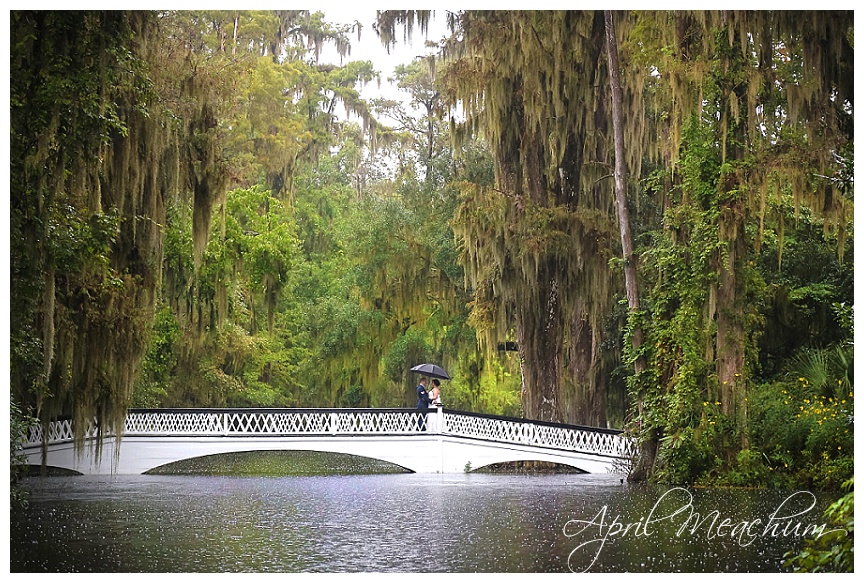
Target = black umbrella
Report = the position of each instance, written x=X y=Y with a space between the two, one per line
x=431 y=370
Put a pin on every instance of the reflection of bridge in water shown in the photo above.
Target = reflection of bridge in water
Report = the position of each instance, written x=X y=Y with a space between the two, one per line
x=424 y=441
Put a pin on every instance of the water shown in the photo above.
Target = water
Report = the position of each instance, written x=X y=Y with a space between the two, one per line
x=398 y=523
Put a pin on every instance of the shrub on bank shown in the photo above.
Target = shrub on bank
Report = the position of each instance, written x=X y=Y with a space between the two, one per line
x=799 y=437
x=834 y=552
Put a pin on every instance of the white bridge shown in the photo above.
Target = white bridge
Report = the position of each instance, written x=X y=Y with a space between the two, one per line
x=423 y=441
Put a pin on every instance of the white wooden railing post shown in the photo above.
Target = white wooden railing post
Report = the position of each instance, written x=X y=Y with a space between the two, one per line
x=440 y=429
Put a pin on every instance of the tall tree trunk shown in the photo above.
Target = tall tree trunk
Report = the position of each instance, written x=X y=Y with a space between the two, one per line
x=430 y=140
x=584 y=388
x=648 y=451
x=621 y=183
x=539 y=338
x=731 y=334
x=731 y=337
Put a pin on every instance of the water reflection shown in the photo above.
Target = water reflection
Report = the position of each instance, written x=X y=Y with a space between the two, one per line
x=358 y=523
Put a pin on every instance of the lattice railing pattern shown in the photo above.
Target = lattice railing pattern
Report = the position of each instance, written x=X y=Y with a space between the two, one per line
x=528 y=433
x=58 y=431
x=354 y=421
x=301 y=422
x=171 y=423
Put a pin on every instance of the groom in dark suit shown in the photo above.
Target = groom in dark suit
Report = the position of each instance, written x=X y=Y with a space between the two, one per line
x=423 y=398
x=423 y=402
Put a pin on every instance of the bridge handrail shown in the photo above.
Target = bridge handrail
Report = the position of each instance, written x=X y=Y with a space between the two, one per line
x=274 y=421
x=598 y=440
x=608 y=430
x=59 y=430
x=218 y=422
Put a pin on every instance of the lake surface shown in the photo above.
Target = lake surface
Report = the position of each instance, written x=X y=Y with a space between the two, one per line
x=401 y=523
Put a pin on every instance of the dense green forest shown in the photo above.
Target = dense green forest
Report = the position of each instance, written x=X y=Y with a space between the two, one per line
x=205 y=215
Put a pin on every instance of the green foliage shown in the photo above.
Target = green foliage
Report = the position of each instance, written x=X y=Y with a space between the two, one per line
x=834 y=551
x=740 y=199
x=159 y=362
x=750 y=469
x=696 y=452
x=845 y=317
x=85 y=245
x=235 y=293
x=679 y=387
x=805 y=435
x=19 y=426
x=804 y=291
x=354 y=291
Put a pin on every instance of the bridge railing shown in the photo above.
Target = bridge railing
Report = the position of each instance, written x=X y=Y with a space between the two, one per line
x=57 y=431
x=250 y=422
x=318 y=422
x=275 y=422
x=609 y=442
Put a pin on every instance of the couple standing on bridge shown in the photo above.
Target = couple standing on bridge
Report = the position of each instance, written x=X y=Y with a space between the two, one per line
x=426 y=398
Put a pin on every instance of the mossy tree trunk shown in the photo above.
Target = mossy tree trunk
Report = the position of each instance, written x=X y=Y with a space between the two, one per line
x=534 y=84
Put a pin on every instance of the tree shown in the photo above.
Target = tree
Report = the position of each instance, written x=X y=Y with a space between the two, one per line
x=537 y=244
x=418 y=79
x=95 y=157
x=117 y=117
x=621 y=204
x=754 y=109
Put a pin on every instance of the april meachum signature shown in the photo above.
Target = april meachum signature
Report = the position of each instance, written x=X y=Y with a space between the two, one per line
x=784 y=521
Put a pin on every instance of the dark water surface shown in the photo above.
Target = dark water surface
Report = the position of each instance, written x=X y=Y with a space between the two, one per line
x=401 y=522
